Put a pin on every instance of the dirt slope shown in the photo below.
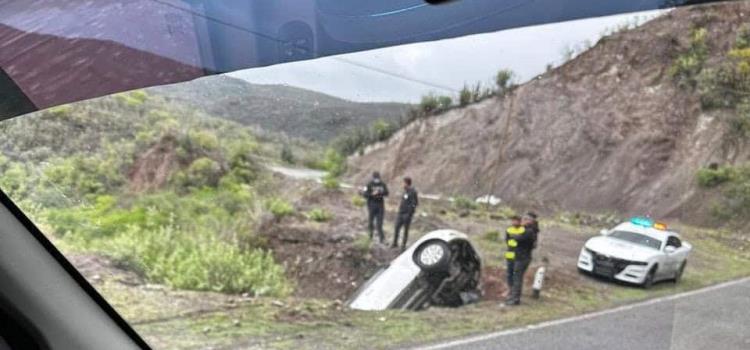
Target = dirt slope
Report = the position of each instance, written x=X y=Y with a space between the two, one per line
x=609 y=130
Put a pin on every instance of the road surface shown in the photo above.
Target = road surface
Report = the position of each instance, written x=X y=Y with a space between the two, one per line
x=713 y=318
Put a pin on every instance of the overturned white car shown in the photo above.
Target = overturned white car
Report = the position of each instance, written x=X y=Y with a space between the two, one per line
x=639 y=251
x=441 y=268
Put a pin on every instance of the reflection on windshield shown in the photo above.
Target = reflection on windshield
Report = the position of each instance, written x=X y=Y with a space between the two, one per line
x=637 y=238
x=248 y=210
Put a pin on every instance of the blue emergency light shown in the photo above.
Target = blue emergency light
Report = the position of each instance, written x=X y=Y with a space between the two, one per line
x=642 y=221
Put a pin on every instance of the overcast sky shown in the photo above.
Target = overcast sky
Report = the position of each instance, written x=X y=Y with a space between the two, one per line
x=441 y=65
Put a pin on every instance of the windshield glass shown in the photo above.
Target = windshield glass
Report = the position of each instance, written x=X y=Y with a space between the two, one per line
x=249 y=209
x=637 y=238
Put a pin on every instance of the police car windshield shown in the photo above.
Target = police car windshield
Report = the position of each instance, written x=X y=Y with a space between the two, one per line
x=637 y=238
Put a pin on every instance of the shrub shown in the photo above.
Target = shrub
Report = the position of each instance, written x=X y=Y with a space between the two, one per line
x=445 y=102
x=708 y=177
x=202 y=172
x=492 y=236
x=503 y=79
x=279 y=207
x=743 y=37
x=331 y=182
x=362 y=243
x=195 y=259
x=689 y=63
x=464 y=96
x=358 y=201
x=286 y=154
x=333 y=162
x=464 y=203
x=319 y=215
x=429 y=104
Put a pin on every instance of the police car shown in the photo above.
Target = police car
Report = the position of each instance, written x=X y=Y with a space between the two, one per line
x=639 y=251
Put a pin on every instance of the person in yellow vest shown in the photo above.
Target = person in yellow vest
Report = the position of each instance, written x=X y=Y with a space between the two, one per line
x=519 y=241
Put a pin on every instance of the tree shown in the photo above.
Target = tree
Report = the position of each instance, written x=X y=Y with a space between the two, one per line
x=286 y=154
x=445 y=102
x=429 y=103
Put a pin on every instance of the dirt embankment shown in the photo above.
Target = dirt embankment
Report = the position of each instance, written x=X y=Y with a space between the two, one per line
x=607 y=131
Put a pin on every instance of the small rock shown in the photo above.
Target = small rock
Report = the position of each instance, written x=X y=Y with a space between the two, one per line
x=277 y=303
x=206 y=330
x=236 y=323
x=96 y=278
x=299 y=336
x=382 y=319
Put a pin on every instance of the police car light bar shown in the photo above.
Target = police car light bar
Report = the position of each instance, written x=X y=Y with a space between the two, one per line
x=641 y=221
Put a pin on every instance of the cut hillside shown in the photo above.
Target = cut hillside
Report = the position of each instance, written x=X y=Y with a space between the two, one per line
x=296 y=112
x=611 y=130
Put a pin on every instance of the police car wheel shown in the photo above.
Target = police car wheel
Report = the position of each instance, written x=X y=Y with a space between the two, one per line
x=432 y=256
x=649 y=281
x=678 y=274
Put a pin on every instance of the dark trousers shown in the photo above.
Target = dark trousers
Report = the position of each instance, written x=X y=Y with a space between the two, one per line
x=375 y=220
x=519 y=270
x=509 y=274
x=403 y=220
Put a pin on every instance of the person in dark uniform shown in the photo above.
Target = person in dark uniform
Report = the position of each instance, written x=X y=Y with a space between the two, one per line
x=375 y=193
x=519 y=240
x=409 y=203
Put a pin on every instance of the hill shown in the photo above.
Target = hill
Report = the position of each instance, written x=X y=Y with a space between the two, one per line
x=626 y=126
x=296 y=112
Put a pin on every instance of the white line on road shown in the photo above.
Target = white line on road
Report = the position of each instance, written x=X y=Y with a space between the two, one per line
x=489 y=336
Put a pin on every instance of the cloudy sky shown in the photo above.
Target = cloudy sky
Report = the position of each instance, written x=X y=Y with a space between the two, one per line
x=405 y=73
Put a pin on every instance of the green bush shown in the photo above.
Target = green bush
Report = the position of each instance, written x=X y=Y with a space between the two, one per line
x=445 y=102
x=713 y=177
x=319 y=215
x=743 y=37
x=196 y=260
x=287 y=155
x=334 y=162
x=464 y=203
x=690 y=62
x=362 y=243
x=331 y=182
x=358 y=201
x=279 y=207
x=503 y=79
x=429 y=103
x=464 y=96
x=492 y=236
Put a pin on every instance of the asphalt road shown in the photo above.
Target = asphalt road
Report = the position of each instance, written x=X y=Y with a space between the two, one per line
x=713 y=318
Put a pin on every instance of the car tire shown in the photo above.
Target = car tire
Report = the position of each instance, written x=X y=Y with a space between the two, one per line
x=680 y=271
x=432 y=256
x=648 y=282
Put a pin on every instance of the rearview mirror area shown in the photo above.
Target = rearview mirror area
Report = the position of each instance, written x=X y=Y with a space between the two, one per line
x=670 y=249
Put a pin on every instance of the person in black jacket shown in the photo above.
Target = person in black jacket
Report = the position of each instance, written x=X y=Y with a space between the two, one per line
x=375 y=193
x=409 y=203
x=520 y=243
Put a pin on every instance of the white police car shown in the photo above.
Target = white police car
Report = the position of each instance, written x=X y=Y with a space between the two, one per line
x=639 y=251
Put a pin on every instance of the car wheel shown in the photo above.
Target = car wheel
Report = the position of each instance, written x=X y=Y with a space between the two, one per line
x=680 y=271
x=432 y=256
x=649 y=281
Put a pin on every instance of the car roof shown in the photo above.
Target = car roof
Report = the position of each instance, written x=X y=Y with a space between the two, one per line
x=648 y=231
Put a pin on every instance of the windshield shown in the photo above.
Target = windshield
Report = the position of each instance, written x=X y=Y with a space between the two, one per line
x=637 y=238
x=248 y=209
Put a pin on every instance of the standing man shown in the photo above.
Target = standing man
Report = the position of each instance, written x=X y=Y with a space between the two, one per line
x=409 y=203
x=375 y=193
x=510 y=244
x=519 y=239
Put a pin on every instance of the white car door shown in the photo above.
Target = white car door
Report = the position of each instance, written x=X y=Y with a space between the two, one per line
x=674 y=255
